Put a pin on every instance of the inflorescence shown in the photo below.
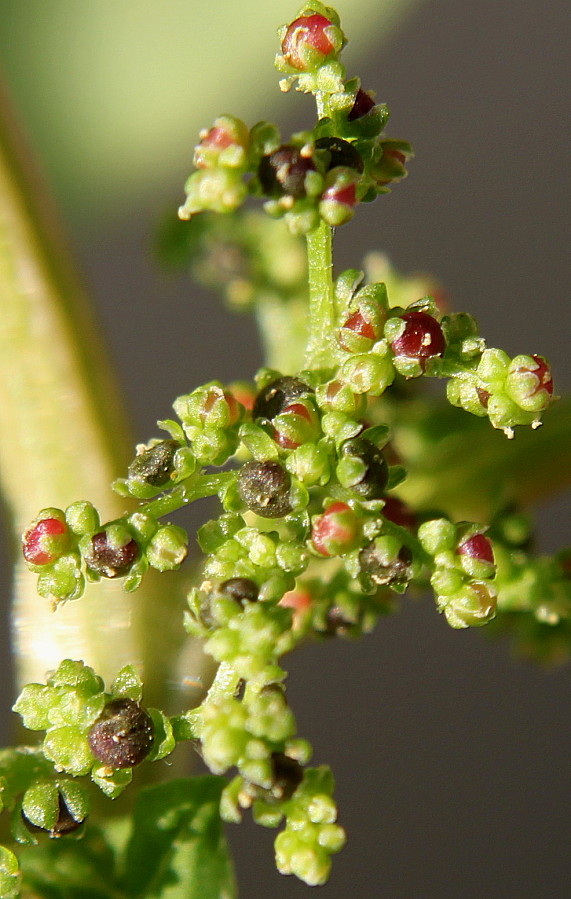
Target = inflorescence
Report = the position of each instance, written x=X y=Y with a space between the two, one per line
x=312 y=539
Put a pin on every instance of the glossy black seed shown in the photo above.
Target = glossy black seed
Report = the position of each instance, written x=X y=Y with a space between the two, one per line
x=376 y=475
x=155 y=465
x=264 y=488
x=288 y=774
x=277 y=395
x=341 y=152
x=375 y=565
x=64 y=824
x=241 y=589
x=122 y=736
x=110 y=561
x=283 y=172
x=362 y=105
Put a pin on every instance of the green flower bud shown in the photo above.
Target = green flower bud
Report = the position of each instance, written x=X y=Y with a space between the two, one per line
x=64 y=581
x=82 y=518
x=310 y=464
x=368 y=373
x=168 y=548
x=473 y=606
x=437 y=536
x=68 y=749
x=529 y=383
x=335 y=396
x=217 y=190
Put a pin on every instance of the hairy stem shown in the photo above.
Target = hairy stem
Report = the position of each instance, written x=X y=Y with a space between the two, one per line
x=321 y=350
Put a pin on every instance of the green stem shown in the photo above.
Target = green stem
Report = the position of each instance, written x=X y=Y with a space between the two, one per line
x=196 y=488
x=63 y=435
x=321 y=349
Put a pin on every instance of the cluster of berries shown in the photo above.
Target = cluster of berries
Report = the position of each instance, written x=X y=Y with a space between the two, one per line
x=319 y=175
x=91 y=731
x=66 y=548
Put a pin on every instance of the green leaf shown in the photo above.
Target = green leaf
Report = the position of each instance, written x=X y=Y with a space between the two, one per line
x=71 y=869
x=177 y=850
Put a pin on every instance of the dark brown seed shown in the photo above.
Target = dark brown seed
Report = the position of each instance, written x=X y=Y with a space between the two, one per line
x=288 y=774
x=122 y=736
x=376 y=475
x=241 y=589
x=264 y=488
x=110 y=561
x=283 y=172
x=154 y=465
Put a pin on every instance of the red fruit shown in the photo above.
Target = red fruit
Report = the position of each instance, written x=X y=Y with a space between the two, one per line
x=344 y=195
x=295 y=409
x=395 y=510
x=542 y=374
x=358 y=325
x=362 y=105
x=421 y=338
x=477 y=547
x=45 y=541
x=307 y=32
x=336 y=531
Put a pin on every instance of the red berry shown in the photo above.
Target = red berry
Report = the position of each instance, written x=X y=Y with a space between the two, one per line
x=362 y=105
x=336 y=531
x=477 y=547
x=542 y=374
x=357 y=325
x=396 y=511
x=306 y=33
x=280 y=393
x=45 y=541
x=421 y=338
x=345 y=196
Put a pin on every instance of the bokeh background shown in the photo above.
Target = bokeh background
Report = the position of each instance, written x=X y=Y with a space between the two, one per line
x=452 y=760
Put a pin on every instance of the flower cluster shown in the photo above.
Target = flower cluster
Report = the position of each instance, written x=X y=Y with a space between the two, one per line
x=317 y=175
x=90 y=731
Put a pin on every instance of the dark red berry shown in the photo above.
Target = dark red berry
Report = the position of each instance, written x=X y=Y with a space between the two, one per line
x=421 y=337
x=45 y=541
x=345 y=196
x=396 y=511
x=283 y=172
x=122 y=736
x=109 y=560
x=362 y=105
x=358 y=325
x=154 y=465
x=264 y=488
x=375 y=476
x=273 y=399
x=287 y=776
x=306 y=32
x=340 y=153
x=477 y=547
x=240 y=589
x=542 y=373
x=383 y=571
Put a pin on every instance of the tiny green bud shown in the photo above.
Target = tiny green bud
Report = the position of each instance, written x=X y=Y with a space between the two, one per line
x=168 y=548
x=437 y=536
x=82 y=518
x=473 y=606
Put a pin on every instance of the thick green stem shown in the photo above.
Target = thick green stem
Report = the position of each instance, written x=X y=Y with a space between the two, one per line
x=321 y=349
x=63 y=433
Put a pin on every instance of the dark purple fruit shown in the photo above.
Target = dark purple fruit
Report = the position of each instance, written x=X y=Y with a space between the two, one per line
x=240 y=589
x=376 y=474
x=283 y=172
x=341 y=152
x=362 y=105
x=109 y=560
x=277 y=395
x=123 y=734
